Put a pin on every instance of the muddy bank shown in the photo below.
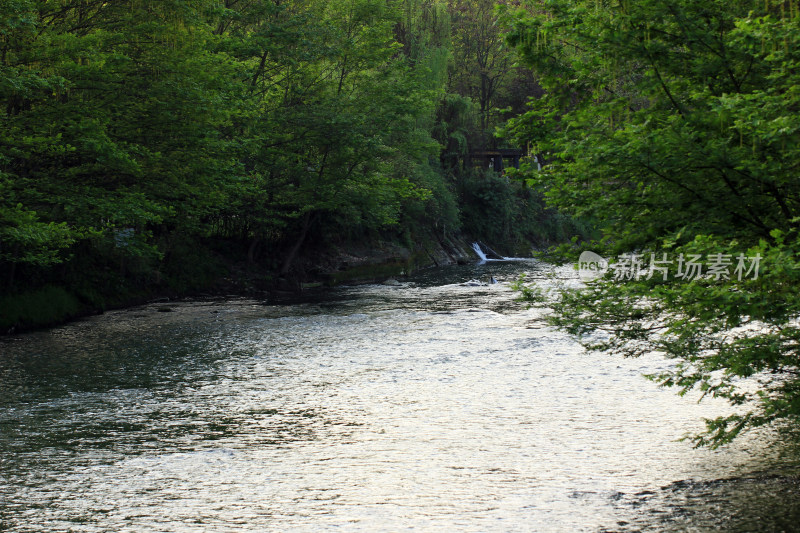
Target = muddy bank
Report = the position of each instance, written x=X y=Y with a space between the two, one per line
x=320 y=265
x=359 y=262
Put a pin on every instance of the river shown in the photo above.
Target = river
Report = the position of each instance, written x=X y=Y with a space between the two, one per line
x=428 y=406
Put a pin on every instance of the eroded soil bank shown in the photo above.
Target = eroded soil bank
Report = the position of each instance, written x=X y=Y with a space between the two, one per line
x=321 y=265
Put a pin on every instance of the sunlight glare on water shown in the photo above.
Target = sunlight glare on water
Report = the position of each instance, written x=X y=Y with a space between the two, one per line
x=430 y=406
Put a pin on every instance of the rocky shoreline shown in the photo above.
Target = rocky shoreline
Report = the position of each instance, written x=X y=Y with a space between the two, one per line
x=357 y=263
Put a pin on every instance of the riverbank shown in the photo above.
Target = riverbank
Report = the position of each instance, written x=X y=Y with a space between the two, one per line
x=320 y=265
x=358 y=262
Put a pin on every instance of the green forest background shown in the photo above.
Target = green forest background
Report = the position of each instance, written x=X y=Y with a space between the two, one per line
x=148 y=145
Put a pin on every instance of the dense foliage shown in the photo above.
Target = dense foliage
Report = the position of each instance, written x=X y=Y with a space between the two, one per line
x=149 y=143
x=676 y=122
x=125 y=120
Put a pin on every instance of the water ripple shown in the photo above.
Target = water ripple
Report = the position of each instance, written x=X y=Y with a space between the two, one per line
x=430 y=406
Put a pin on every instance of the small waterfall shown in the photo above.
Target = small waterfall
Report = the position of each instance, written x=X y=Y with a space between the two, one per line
x=477 y=248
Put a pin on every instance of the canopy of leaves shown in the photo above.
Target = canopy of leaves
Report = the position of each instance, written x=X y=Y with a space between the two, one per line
x=129 y=127
x=676 y=123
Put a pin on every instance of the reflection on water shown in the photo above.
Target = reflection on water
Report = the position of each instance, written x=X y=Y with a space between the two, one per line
x=430 y=405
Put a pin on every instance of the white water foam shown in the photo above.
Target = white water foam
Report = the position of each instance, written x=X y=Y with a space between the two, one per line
x=477 y=248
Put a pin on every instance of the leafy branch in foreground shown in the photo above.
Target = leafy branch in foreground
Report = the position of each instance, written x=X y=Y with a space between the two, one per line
x=675 y=123
x=729 y=338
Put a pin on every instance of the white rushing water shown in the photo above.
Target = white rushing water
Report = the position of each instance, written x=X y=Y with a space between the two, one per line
x=430 y=406
x=477 y=247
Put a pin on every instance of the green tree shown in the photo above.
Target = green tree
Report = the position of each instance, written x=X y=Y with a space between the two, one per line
x=339 y=123
x=111 y=130
x=482 y=62
x=675 y=123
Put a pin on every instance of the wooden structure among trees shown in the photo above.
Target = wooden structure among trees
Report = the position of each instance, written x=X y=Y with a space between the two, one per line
x=496 y=159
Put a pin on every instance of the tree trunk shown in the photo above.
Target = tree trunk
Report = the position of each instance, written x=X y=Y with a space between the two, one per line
x=287 y=262
x=251 y=250
x=12 y=274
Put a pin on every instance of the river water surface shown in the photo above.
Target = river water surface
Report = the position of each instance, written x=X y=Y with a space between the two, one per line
x=428 y=406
